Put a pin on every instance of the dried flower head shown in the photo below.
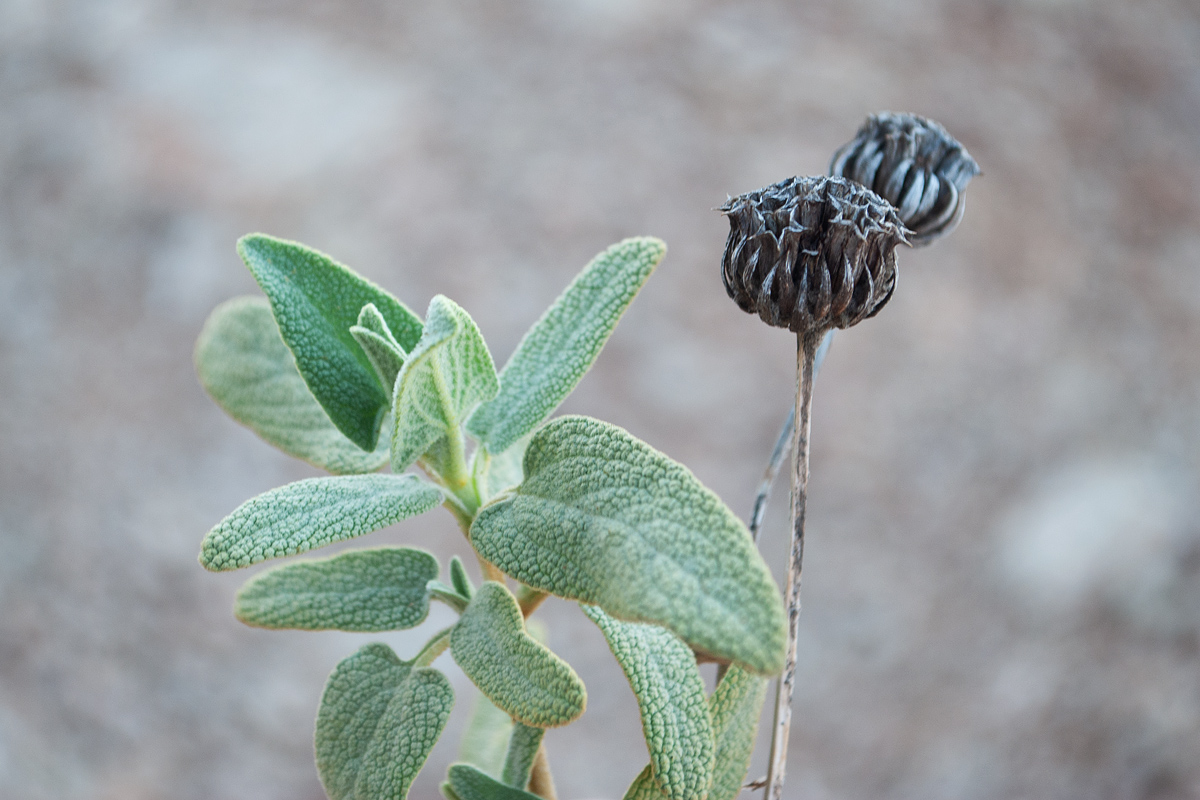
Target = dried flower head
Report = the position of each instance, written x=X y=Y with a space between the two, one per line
x=914 y=164
x=810 y=254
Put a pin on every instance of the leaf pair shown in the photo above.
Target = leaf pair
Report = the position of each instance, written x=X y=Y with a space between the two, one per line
x=603 y=518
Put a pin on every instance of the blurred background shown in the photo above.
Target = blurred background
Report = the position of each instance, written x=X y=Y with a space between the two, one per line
x=1002 y=583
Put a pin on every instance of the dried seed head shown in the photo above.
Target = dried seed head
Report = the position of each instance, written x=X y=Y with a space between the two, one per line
x=809 y=254
x=914 y=164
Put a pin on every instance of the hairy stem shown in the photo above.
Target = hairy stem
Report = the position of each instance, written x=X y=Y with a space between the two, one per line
x=433 y=648
x=806 y=350
x=529 y=599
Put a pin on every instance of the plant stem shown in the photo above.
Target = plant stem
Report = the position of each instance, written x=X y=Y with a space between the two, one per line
x=806 y=350
x=782 y=448
x=433 y=648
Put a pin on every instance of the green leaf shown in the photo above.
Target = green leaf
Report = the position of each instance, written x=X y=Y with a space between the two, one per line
x=485 y=742
x=517 y=673
x=504 y=469
x=447 y=374
x=468 y=783
x=248 y=370
x=670 y=694
x=644 y=787
x=378 y=720
x=316 y=300
x=604 y=518
x=380 y=589
x=381 y=348
x=459 y=578
x=736 y=706
x=522 y=750
x=313 y=513
x=561 y=346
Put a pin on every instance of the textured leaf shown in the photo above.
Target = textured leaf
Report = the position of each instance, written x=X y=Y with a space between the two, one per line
x=381 y=589
x=251 y=374
x=485 y=742
x=672 y=701
x=447 y=374
x=517 y=673
x=561 y=346
x=468 y=783
x=316 y=300
x=381 y=348
x=313 y=513
x=604 y=518
x=522 y=750
x=736 y=706
x=644 y=787
x=378 y=720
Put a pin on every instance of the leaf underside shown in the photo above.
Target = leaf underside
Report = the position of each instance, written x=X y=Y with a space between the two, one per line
x=377 y=589
x=676 y=721
x=446 y=375
x=379 y=719
x=485 y=742
x=246 y=368
x=313 y=513
x=605 y=519
x=561 y=346
x=316 y=301
x=517 y=673
x=468 y=783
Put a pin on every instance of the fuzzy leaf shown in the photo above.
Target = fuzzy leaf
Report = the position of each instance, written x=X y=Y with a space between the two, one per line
x=644 y=787
x=313 y=513
x=485 y=742
x=378 y=720
x=380 y=589
x=459 y=578
x=447 y=374
x=251 y=374
x=504 y=469
x=516 y=672
x=604 y=518
x=316 y=300
x=381 y=348
x=676 y=720
x=468 y=783
x=561 y=346
x=736 y=706
x=522 y=750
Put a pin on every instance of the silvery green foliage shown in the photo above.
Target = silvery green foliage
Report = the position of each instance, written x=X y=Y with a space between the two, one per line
x=334 y=370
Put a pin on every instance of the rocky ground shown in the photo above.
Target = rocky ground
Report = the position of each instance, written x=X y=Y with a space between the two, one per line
x=1002 y=585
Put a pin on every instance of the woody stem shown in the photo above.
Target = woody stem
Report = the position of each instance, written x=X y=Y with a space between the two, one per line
x=806 y=350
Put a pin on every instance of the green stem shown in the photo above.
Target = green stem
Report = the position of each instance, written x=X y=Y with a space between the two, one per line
x=433 y=648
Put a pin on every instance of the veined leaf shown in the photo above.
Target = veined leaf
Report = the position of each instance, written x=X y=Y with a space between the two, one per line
x=380 y=347
x=468 y=783
x=485 y=742
x=316 y=300
x=561 y=346
x=736 y=706
x=313 y=513
x=251 y=374
x=522 y=750
x=378 y=720
x=380 y=589
x=604 y=518
x=670 y=694
x=447 y=374
x=517 y=673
